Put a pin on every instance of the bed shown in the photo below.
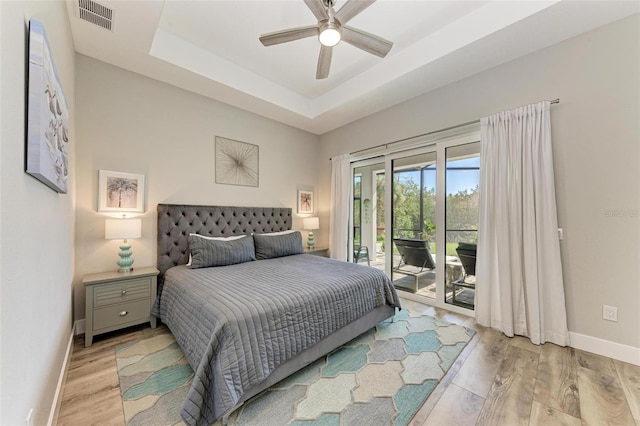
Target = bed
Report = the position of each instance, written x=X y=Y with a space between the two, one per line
x=244 y=326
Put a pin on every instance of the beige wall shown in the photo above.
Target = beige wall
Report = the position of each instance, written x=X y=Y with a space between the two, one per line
x=36 y=228
x=130 y=123
x=596 y=134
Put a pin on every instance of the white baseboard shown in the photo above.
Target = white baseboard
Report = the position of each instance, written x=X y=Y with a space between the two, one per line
x=57 y=398
x=80 y=326
x=606 y=348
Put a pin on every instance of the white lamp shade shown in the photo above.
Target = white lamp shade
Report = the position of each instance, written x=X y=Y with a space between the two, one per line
x=122 y=229
x=311 y=223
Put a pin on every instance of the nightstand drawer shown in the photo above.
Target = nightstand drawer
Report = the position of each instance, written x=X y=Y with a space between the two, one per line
x=121 y=314
x=108 y=294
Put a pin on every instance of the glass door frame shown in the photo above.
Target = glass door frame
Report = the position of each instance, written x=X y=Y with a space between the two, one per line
x=439 y=146
x=388 y=237
x=441 y=204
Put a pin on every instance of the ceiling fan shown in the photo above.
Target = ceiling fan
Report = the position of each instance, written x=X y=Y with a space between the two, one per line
x=330 y=30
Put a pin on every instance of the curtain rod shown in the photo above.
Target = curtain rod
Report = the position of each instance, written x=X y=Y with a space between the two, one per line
x=386 y=145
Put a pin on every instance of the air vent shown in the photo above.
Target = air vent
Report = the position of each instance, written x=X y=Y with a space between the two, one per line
x=95 y=13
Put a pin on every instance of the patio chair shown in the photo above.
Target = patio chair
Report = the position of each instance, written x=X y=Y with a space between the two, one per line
x=467 y=254
x=414 y=253
x=361 y=252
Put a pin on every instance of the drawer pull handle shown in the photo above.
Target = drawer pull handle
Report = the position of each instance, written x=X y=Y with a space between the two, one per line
x=123 y=313
x=124 y=292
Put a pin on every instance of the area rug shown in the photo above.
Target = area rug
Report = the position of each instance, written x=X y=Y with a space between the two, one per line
x=380 y=378
x=154 y=380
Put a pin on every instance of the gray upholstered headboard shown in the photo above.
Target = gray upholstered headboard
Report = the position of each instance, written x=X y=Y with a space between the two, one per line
x=176 y=222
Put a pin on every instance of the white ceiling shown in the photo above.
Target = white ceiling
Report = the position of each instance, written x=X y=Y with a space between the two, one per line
x=212 y=48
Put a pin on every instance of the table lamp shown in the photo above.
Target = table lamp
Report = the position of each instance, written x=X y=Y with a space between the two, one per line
x=123 y=229
x=310 y=224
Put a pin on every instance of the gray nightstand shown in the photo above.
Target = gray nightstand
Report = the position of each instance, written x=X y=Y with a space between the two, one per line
x=117 y=300
x=317 y=251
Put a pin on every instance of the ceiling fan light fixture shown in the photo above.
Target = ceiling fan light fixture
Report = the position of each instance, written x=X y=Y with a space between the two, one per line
x=330 y=29
x=329 y=34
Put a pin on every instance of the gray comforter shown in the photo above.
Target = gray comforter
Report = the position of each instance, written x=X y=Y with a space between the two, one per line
x=235 y=324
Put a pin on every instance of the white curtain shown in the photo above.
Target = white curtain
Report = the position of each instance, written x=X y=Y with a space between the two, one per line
x=519 y=272
x=340 y=196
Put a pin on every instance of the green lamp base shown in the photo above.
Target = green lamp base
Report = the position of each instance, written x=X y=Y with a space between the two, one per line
x=125 y=261
x=310 y=240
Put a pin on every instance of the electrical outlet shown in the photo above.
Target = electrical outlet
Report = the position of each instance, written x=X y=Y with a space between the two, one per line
x=29 y=421
x=610 y=313
x=560 y=234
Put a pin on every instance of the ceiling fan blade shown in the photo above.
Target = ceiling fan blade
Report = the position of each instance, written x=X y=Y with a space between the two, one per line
x=351 y=8
x=318 y=9
x=324 y=62
x=292 y=34
x=367 y=42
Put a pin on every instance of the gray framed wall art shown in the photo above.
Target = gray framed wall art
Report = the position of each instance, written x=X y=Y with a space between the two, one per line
x=236 y=162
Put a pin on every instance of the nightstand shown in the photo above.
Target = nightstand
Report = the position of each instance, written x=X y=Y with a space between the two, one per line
x=116 y=300
x=317 y=251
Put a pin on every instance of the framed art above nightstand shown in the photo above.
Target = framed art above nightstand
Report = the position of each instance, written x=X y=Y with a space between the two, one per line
x=116 y=300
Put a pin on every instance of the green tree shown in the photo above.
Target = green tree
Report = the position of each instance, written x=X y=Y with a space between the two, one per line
x=406 y=206
x=462 y=210
x=462 y=213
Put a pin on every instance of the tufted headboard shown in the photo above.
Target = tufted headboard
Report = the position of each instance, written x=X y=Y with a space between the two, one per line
x=176 y=222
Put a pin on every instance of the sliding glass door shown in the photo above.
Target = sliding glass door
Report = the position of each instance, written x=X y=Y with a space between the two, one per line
x=461 y=219
x=415 y=216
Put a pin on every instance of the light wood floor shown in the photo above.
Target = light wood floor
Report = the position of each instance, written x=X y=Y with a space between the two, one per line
x=496 y=381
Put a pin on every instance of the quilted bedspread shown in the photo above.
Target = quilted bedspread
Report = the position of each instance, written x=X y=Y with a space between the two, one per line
x=236 y=324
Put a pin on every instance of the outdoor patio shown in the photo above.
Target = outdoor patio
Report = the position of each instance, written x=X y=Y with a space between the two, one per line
x=426 y=280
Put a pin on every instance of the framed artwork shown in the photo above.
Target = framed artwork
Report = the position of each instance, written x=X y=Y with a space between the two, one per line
x=47 y=115
x=305 y=202
x=236 y=162
x=120 y=192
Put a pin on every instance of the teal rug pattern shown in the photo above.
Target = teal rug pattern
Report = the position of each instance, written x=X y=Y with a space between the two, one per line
x=154 y=380
x=380 y=378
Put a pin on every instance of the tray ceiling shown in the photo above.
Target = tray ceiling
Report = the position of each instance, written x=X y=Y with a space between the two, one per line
x=212 y=48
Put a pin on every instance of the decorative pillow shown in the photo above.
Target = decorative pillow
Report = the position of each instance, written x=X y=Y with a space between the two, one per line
x=273 y=245
x=231 y=238
x=270 y=234
x=206 y=252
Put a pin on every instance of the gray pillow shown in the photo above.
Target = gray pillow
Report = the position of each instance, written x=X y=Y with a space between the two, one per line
x=206 y=252
x=270 y=246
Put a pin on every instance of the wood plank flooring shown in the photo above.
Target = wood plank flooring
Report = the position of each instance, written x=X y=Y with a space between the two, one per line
x=496 y=381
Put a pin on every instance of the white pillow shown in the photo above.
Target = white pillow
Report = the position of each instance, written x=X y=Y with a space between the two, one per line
x=231 y=238
x=279 y=233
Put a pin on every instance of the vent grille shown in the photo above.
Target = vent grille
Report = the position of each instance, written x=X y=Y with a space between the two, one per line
x=95 y=13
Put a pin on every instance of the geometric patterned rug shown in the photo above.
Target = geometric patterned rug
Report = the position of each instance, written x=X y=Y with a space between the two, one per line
x=380 y=378
x=154 y=380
